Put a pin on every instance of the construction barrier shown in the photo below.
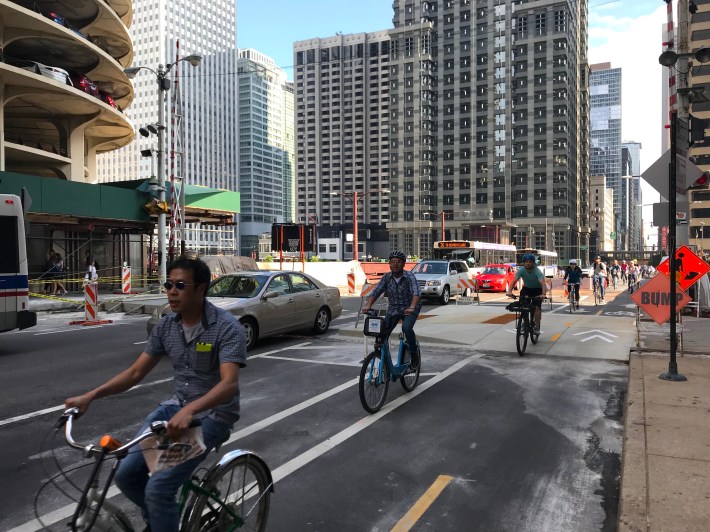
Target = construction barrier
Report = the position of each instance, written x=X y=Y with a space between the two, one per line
x=91 y=307
x=351 y=283
x=470 y=286
x=126 y=279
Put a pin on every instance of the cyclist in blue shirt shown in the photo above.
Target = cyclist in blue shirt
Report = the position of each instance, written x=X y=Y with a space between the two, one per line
x=533 y=285
x=573 y=276
x=403 y=295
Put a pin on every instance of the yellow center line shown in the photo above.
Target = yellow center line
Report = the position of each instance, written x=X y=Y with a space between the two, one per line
x=421 y=506
x=555 y=337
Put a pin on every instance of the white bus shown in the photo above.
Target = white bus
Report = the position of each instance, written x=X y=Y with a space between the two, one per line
x=476 y=254
x=546 y=260
x=14 y=284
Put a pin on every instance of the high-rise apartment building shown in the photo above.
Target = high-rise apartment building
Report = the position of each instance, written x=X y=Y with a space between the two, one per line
x=507 y=127
x=631 y=166
x=605 y=139
x=470 y=112
x=266 y=147
x=342 y=86
x=203 y=150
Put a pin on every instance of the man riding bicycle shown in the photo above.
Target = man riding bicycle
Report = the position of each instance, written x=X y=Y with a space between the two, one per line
x=534 y=286
x=207 y=347
x=624 y=270
x=573 y=276
x=615 y=271
x=403 y=295
x=599 y=275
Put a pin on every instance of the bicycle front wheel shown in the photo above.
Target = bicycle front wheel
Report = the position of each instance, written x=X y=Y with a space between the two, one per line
x=410 y=377
x=571 y=301
x=235 y=496
x=521 y=333
x=374 y=382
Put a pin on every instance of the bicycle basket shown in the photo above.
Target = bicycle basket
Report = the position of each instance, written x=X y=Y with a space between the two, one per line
x=373 y=326
x=513 y=307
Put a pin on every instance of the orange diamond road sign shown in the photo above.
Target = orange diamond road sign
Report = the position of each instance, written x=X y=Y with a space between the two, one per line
x=654 y=298
x=689 y=267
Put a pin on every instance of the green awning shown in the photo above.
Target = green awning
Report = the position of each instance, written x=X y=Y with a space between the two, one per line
x=203 y=198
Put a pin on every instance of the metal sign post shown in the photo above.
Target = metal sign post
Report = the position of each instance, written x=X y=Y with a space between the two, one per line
x=672 y=373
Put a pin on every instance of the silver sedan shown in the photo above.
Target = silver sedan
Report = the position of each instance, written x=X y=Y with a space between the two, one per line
x=272 y=302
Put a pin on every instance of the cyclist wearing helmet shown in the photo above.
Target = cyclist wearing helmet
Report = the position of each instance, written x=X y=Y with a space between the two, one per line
x=403 y=294
x=573 y=276
x=599 y=272
x=533 y=285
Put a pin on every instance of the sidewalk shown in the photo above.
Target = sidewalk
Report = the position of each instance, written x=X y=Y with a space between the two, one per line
x=665 y=480
x=665 y=477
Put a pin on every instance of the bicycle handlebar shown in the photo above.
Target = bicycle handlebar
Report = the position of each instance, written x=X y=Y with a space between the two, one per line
x=541 y=298
x=157 y=428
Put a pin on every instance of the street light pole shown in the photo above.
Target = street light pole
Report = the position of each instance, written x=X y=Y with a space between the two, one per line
x=355 y=197
x=163 y=86
x=162 y=268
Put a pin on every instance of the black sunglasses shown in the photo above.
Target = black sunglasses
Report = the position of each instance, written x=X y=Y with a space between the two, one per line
x=180 y=285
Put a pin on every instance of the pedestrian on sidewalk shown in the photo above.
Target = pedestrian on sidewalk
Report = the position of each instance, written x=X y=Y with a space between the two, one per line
x=48 y=272
x=92 y=275
x=58 y=273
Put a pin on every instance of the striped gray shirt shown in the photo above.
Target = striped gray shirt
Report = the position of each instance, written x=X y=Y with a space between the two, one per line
x=220 y=339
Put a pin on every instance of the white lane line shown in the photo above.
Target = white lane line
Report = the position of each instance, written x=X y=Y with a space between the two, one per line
x=61 y=407
x=326 y=362
x=293 y=465
x=82 y=328
x=290 y=411
x=262 y=355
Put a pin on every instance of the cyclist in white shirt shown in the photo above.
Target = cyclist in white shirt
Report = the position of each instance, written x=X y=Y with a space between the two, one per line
x=599 y=275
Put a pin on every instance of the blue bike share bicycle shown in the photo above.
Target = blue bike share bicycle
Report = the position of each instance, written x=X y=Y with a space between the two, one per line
x=378 y=369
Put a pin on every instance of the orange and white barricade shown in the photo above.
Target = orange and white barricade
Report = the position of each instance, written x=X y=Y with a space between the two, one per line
x=91 y=306
x=126 y=279
x=471 y=287
x=351 y=283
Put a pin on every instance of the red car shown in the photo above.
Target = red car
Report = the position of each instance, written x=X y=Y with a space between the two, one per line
x=496 y=277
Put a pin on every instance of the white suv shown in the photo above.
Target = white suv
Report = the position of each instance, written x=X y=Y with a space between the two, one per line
x=439 y=279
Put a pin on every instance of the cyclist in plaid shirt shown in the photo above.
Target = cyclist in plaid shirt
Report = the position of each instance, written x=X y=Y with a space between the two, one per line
x=403 y=295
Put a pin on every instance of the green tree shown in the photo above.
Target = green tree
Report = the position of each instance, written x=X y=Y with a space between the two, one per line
x=268 y=258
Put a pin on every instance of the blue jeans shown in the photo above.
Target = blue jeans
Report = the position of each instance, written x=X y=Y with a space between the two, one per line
x=156 y=495
x=601 y=280
x=407 y=327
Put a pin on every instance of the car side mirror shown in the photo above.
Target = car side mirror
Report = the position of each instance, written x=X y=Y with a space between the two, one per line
x=269 y=295
x=452 y=272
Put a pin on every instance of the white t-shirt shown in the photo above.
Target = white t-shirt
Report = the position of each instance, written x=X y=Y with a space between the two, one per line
x=92 y=273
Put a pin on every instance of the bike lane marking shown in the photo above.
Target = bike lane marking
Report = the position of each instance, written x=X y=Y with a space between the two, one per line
x=294 y=464
x=422 y=505
x=305 y=458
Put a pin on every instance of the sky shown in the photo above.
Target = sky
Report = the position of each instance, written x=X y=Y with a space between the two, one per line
x=626 y=33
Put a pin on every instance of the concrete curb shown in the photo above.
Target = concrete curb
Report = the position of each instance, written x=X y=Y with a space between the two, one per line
x=633 y=499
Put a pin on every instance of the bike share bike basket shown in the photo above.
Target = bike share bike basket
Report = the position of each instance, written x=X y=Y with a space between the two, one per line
x=515 y=306
x=373 y=326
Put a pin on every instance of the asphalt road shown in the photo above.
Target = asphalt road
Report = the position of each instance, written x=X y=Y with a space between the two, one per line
x=511 y=443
